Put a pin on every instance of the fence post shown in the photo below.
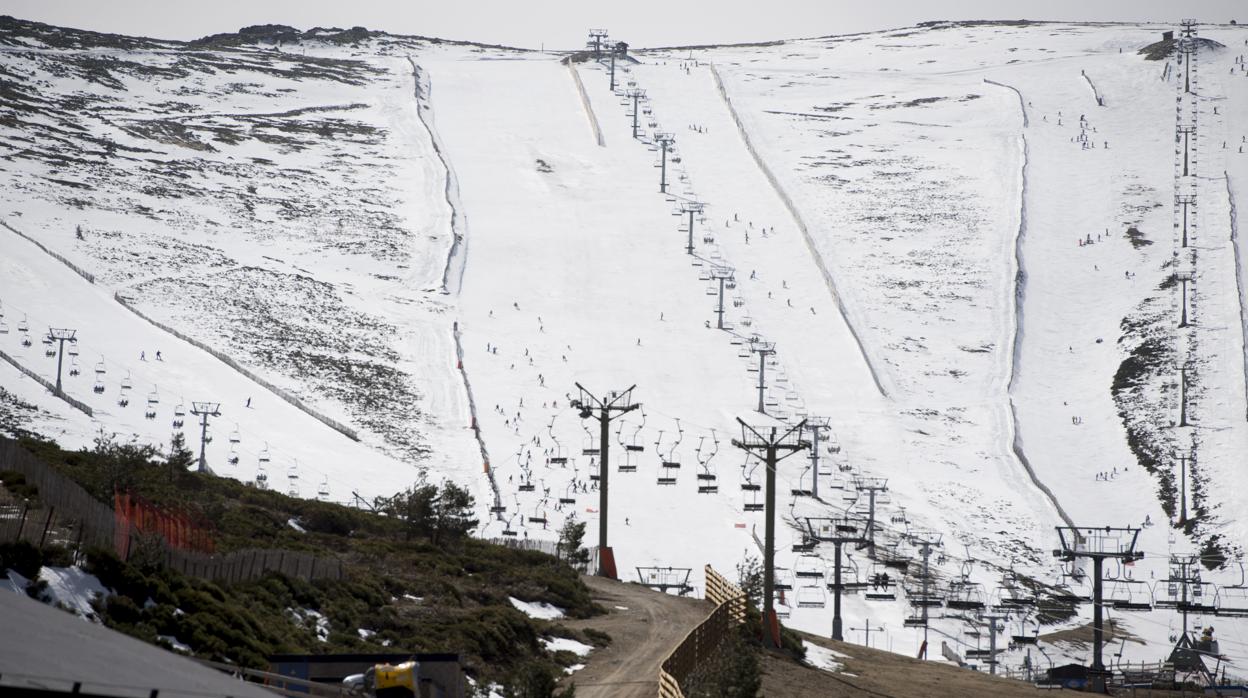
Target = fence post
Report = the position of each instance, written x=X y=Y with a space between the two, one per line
x=47 y=522
x=21 y=523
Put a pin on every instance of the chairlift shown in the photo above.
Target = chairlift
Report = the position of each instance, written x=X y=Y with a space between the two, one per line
x=100 y=370
x=812 y=596
x=264 y=455
x=322 y=492
x=1130 y=595
x=567 y=497
x=179 y=416
x=535 y=519
x=123 y=400
x=292 y=488
x=590 y=447
x=880 y=586
x=126 y=384
x=73 y=350
x=292 y=472
x=26 y=341
x=1232 y=599
x=810 y=567
x=233 y=458
x=73 y=367
x=23 y=326
x=98 y=388
x=965 y=596
x=49 y=351
x=262 y=479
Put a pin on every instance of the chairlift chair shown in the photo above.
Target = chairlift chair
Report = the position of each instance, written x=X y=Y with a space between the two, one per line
x=567 y=497
x=812 y=596
x=123 y=399
x=98 y=388
x=264 y=457
x=23 y=326
x=73 y=367
x=100 y=370
x=126 y=384
x=233 y=457
x=809 y=567
x=179 y=416
x=322 y=492
x=262 y=478
x=4 y=327
x=535 y=519
x=292 y=472
x=1232 y=599
x=26 y=341
x=235 y=437
x=73 y=350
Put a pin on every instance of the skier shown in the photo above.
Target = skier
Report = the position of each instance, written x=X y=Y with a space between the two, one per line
x=142 y=356
x=249 y=402
x=158 y=356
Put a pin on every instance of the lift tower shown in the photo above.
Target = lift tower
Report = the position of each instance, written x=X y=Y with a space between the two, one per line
x=608 y=408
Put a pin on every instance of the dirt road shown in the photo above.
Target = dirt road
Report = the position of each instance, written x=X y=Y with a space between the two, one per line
x=644 y=626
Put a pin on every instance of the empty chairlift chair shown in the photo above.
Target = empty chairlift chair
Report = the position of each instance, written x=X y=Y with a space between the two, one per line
x=567 y=497
x=322 y=492
x=810 y=567
x=1232 y=599
x=811 y=596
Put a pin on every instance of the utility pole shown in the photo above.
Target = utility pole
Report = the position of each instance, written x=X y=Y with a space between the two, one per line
x=768 y=449
x=1099 y=544
x=619 y=403
x=1185 y=200
x=763 y=349
x=637 y=94
x=866 y=631
x=722 y=274
x=816 y=425
x=62 y=336
x=691 y=208
x=1183 y=396
x=992 y=619
x=1186 y=131
x=871 y=485
x=838 y=531
x=1184 y=277
x=665 y=141
x=1182 y=489
x=204 y=410
x=925 y=541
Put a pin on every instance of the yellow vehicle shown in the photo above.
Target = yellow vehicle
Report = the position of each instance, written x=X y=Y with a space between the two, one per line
x=387 y=681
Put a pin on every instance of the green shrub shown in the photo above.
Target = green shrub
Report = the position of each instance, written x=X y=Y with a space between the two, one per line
x=21 y=557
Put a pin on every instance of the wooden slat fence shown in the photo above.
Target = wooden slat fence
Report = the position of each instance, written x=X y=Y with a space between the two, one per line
x=76 y=404
x=69 y=507
x=704 y=641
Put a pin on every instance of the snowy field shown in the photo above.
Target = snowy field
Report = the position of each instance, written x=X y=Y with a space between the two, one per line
x=962 y=241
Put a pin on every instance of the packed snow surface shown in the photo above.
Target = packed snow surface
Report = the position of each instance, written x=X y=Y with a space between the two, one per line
x=961 y=245
x=537 y=609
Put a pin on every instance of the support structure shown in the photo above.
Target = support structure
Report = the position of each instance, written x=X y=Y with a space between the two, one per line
x=692 y=208
x=838 y=531
x=722 y=274
x=612 y=87
x=925 y=541
x=608 y=408
x=204 y=410
x=61 y=335
x=1186 y=132
x=1185 y=200
x=1182 y=489
x=596 y=38
x=872 y=486
x=665 y=141
x=763 y=349
x=768 y=448
x=637 y=94
x=1099 y=545
x=816 y=426
x=1183 y=396
x=991 y=618
x=1187 y=47
x=866 y=631
x=1184 y=277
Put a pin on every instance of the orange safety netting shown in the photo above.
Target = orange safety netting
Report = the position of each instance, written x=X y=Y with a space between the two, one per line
x=133 y=514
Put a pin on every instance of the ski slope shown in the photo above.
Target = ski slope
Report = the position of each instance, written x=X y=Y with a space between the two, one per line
x=956 y=237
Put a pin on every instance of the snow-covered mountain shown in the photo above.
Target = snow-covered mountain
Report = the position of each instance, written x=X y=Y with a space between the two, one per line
x=964 y=240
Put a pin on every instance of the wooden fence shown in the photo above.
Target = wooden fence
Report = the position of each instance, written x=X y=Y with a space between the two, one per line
x=63 y=505
x=549 y=547
x=704 y=641
x=60 y=258
x=229 y=361
x=76 y=404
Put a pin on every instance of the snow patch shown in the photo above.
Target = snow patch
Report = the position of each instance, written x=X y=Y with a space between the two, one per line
x=537 y=609
x=173 y=642
x=295 y=525
x=574 y=668
x=561 y=644
x=321 y=623
x=15 y=583
x=72 y=588
x=823 y=658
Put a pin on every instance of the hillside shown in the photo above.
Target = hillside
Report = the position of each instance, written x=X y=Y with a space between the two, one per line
x=970 y=246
